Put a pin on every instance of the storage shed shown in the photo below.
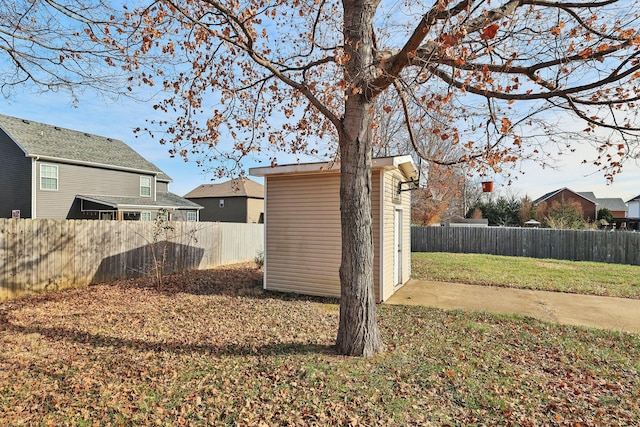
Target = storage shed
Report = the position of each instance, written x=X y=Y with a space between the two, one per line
x=302 y=226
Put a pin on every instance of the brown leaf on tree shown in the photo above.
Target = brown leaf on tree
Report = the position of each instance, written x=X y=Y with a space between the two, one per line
x=448 y=40
x=489 y=32
x=505 y=125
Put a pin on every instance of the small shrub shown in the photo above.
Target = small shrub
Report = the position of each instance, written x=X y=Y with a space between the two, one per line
x=259 y=259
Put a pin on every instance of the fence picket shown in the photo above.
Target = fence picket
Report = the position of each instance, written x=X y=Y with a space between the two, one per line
x=42 y=254
x=580 y=245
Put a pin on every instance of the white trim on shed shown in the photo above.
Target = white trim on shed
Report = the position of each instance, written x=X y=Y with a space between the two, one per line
x=302 y=225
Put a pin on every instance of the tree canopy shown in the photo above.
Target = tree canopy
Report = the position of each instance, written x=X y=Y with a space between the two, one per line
x=60 y=46
x=500 y=77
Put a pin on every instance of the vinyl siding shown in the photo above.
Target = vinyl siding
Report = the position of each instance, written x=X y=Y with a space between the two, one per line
x=303 y=239
x=303 y=234
x=255 y=210
x=376 y=213
x=234 y=210
x=634 y=210
x=15 y=179
x=390 y=181
x=180 y=215
x=77 y=179
x=162 y=186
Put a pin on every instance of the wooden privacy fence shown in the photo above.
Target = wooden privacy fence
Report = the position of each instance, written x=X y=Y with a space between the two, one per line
x=577 y=245
x=42 y=254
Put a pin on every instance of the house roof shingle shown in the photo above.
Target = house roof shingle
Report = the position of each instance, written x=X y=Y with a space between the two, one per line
x=163 y=200
x=588 y=195
x=239 y=187
x=613 y=204
x=39 y=139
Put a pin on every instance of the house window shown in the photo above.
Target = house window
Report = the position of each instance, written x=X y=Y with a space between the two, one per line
x=145 y=186
x=145 y=216
x=163 y=215
x=191 y=216
x=222 y=203
x=49 y=177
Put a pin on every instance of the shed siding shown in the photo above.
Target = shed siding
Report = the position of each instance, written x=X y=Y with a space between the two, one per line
x=303 y=234
x=391 y=180
x=376 y=213
x=77 y=179
x=15 y=179
x=303 y=238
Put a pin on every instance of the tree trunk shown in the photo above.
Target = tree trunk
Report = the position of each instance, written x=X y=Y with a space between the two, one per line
x=358 y=333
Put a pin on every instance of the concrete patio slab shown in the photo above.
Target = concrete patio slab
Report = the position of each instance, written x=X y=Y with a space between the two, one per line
x=620 y=314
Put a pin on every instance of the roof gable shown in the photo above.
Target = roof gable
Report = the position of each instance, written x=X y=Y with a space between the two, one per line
x=589 y=196
x=39 y=139
x=239 y=187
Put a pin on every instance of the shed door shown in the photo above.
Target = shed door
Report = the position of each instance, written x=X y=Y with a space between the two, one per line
x=397 y=244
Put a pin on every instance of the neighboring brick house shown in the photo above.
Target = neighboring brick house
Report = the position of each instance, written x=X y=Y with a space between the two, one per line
x=564 y=196
x=236 y=200
x=617 y=206
x=588 y=201
x=51 y=172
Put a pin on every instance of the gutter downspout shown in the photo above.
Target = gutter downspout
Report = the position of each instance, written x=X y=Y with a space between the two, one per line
x=34 y=183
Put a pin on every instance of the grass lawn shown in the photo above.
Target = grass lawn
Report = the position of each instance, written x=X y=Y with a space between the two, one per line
x=529 y=273
x=212 y=348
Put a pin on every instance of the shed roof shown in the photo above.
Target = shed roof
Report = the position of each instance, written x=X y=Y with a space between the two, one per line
x=239 y=187
x=70 y=146
x=404 y=163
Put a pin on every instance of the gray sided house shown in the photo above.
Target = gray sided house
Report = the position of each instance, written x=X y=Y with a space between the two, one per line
x=236 y=200
x=634 y=207
x=634 y=213
x=51 y=172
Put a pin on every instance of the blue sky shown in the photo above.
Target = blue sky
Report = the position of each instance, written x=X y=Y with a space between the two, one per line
x=118 y=119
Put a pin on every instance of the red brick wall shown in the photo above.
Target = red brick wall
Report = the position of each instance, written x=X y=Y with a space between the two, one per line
x=565 y=196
